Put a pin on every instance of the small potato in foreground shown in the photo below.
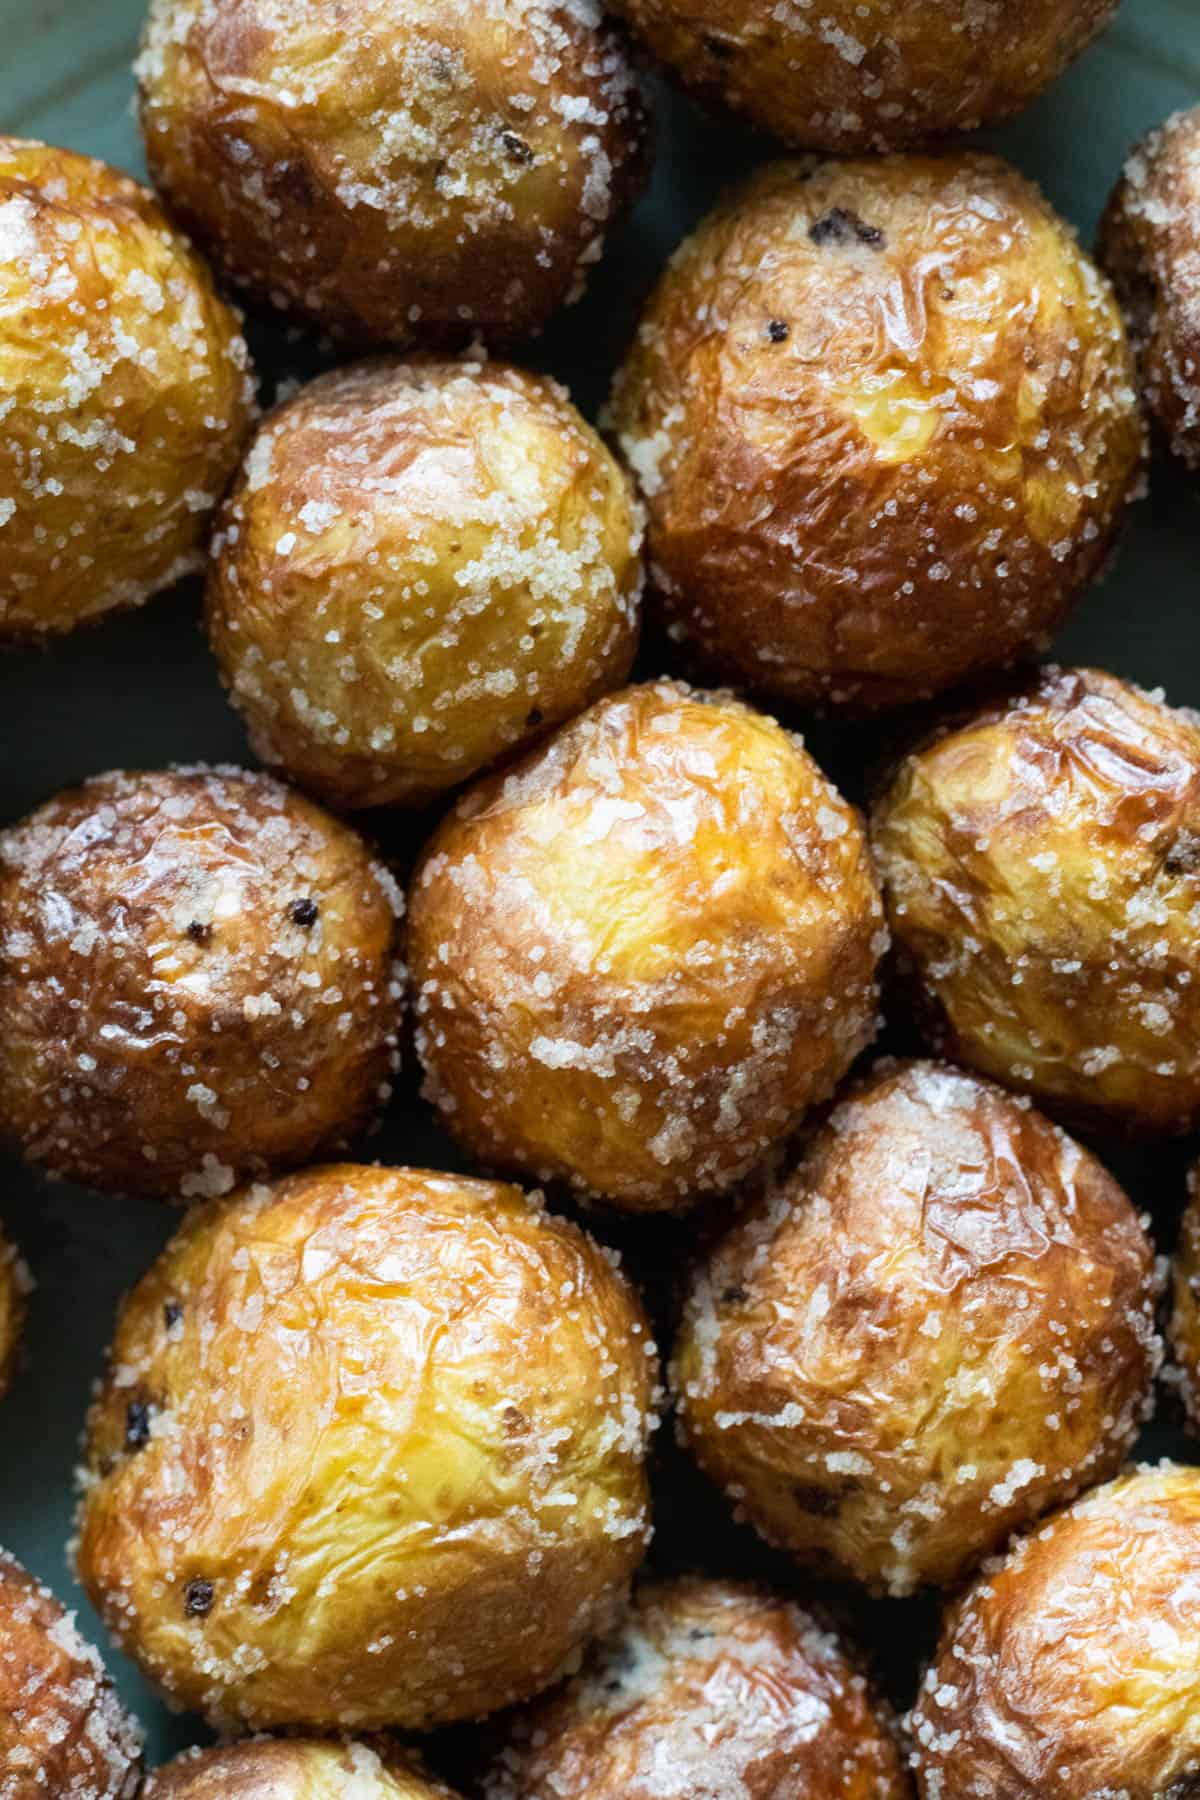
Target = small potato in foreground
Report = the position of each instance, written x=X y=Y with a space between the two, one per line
x=198 y=978
x=14 y=1286
x=292 y=1769
x=422 y=565
x=369 y=1453
x=640 y=958
x=712 y=1690
x=1041 y=863
x=63 y=1732
x=1071 y=1671
x=939 y=1327
x=885 y=419
x=127 y=394
x=1150 y=245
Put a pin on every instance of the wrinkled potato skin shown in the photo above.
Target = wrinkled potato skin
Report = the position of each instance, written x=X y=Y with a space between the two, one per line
x=422 y=565
x=297 y=1769
x=375 y=1391
x=130 y=388
x=62 y=1729
x=1150 y=245
x=1184 y=1335
x=14 y=1285
x=1041 y=864
x=740 y=1690
x=168 y=1021
x=395 y=174
x=870 y=1360
x=884 y=415
x=640 y=958
x=1069 y=1672
x=853 y=77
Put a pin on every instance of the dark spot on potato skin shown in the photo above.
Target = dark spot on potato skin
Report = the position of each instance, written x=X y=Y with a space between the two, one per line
x=199 y=932
x=516 y=148
x=198 y=1599
x=304 y=912
x=841 y=226
x=138 y=1415
x=172 y=1314
x=816 y=1500
x=778 y=330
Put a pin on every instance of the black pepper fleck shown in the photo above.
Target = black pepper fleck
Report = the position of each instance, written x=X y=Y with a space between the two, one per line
x=841 y=226
x=137 y=1424
x=516 y=148
x=198 y=1599
x=778 y=330
x=172 y=1313
x=534 y=716
x=199 y=932
x=304 y=912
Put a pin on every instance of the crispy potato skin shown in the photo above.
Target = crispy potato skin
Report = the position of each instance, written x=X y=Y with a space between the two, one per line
x=709 y=1688
x=394 y=174
x=1069 y=1672
x=129 y=393
x=941 y=1325
x=14 y=1285
x=62 y=1729
x=851 y=77
x=198 y=976
x=292 y=1769
x=1150 y=245
x=1184 y=1334
x=422 y=565
x=884 y=416
x=641 y=957
x=369 y=1454
x=1041 y=864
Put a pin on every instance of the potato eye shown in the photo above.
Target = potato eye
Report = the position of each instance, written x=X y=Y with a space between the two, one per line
x=198 y=1599
x=841 y=226
x=304 y=912
x=138 y=1415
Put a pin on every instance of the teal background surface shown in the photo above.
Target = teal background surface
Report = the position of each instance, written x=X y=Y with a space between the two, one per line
x=141 y=691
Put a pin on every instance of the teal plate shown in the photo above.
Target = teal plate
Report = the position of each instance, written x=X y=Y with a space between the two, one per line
x=141 y=691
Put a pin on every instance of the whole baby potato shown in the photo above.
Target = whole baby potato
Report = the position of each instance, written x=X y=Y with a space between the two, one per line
x=848 y=76
x=1069 y=1672
x=199 y=977
x=291 y=1769
x=127 y=394
x=708 y=1689
x=1150 y=245
x=1185 y=1312
x=369 y=1453
x=422 y=565
x=63 y=1732
x=1041 y=862
x=639 y=959
x=14 y=1287
x=940 y=1325
x=397 y=171
x=884 y=416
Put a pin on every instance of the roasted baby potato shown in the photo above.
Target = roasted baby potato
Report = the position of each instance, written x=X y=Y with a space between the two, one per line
x=127 y=394
x=640 y=958
x=1150 y=245
x=394 y=174
x=940 y=1325
x=1185 y=1311
x=1069 y=1672
x=63 y=1732
x=885 y=419
x=14 y=1286
x=369 y=1453
x=422 y=565
x=708 y=1688
x=291 y=1769
x=199 y=977
x=849 y=76
x=1041 y=862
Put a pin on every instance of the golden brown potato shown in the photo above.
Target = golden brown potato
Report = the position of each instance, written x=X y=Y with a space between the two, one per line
x=198 y=978
x=638 y=960
x=1150 y=245
x=1042 y=870
x=422 y=564
x=714 y=1691
x=63 y=1732
x=127 y=394
x=292 y=1769
x=1069 y=1672
x=939 y=1326
x=885 y=420
x=849 y=76
x=1185 y=1312
x=369 y=1453
x=395 y=173
x=15 y=1284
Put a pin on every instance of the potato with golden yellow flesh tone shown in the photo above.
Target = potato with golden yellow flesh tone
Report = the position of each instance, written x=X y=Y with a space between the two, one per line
x=1150 y=245
x=1041 y=865
x=1071 y=1671
x=395 y=174
x=15 y=1284
x=291 y=1769
x=63 y=1732
x=938 y=1327
x=423 y=565
x=1184 y=1333
x=370 y=1453
x=885 y=420
x=713 y=1690
x=199 y=977
x=127 y=394
x=641 y=957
